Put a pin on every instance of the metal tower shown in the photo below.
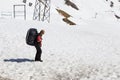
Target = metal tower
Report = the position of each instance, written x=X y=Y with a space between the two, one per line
x=42 y=10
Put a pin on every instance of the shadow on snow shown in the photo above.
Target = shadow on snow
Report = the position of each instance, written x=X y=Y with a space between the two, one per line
x=18 y=60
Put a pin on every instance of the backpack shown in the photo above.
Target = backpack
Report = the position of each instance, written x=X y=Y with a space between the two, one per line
x=31 y=36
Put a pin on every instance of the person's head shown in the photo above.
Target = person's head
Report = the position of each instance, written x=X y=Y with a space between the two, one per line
x=42 y=32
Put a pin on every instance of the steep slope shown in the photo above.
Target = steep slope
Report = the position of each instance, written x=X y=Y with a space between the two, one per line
x=87 y=9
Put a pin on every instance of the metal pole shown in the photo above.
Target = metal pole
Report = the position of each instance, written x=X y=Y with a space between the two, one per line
x=25 y=12
x=39 y=13
x=14 y=10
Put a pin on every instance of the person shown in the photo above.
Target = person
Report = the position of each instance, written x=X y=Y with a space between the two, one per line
x=38 y=46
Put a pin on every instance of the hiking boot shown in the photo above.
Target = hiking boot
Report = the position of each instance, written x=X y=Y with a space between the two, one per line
x=39 y=60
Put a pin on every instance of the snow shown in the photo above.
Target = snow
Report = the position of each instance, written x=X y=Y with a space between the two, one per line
x=89 y=50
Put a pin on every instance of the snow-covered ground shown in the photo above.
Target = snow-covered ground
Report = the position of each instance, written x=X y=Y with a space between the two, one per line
x=89 y=50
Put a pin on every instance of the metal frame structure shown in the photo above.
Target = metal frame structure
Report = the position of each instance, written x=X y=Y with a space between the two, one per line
x=42 y=10
x=19 y=12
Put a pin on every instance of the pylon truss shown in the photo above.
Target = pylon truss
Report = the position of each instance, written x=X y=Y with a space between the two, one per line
x=42 y=10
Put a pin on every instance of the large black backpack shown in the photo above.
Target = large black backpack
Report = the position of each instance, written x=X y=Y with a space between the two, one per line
x=31 y=36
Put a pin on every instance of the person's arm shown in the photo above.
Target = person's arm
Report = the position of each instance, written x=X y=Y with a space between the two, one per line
x=39 y=39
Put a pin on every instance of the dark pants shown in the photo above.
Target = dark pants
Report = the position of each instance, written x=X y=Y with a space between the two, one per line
x=38 y=52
